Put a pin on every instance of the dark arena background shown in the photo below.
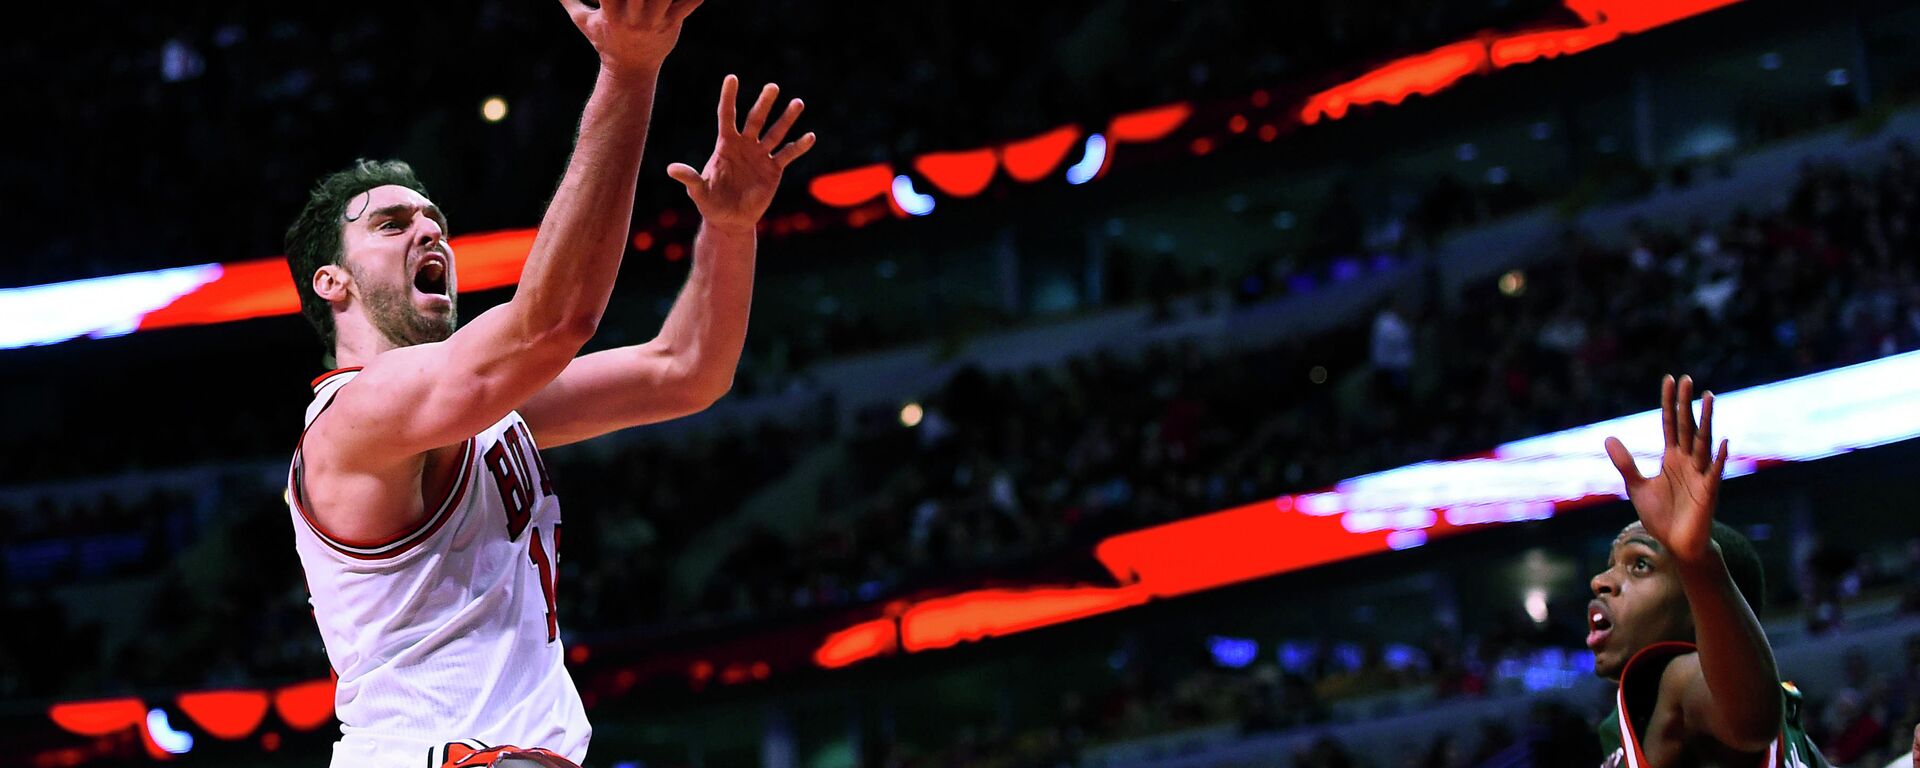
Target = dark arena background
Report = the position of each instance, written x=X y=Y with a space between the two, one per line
x=1130 y=383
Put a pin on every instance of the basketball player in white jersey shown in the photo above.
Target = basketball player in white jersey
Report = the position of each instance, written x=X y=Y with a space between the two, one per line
x=423 y=515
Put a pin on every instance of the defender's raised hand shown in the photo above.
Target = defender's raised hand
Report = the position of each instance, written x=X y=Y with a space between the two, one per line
x=738 y=183
x=633 y=37
x=1677 y=506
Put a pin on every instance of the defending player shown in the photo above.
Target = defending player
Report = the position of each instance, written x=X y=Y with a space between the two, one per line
x=1671 y=619
x=423 y=515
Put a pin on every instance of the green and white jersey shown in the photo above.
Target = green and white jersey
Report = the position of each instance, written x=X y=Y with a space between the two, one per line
x=1640 y=684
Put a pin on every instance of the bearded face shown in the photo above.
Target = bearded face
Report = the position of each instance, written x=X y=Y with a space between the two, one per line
x=392 y=308
x=396 y=251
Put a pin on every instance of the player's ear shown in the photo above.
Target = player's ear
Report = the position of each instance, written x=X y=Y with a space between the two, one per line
x=330 y=282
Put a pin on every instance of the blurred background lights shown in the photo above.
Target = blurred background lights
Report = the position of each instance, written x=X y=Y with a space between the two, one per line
x=494 y=109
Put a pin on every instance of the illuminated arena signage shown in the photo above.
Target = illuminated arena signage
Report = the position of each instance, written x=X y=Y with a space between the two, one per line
x=219 y=293
x=1797 y=420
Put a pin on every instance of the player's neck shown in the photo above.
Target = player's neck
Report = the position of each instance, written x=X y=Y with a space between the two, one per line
x=357 y=342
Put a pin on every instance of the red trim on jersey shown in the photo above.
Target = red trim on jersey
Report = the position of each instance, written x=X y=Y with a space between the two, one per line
x=1636 y=758
x=322 y=378
x=399 y=543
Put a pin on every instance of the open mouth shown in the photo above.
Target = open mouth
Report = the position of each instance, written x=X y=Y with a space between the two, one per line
x=431 y=277
x=1599 y=624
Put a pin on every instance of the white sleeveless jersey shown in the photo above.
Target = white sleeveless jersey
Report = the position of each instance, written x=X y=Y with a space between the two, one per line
x=446 y=632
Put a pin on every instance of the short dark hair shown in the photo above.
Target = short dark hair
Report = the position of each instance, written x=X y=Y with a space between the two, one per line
x=314 y=239
x=1743 y=564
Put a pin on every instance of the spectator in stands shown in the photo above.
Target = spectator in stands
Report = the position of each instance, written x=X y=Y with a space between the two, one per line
x=1855 y=731
x=1391 y=349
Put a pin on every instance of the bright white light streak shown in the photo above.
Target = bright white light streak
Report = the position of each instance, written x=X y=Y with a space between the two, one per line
x=1090 y=162
x=1801 y=419
x=910 y=201
x=174 y=742
x=97 y=307
x=1536 y=604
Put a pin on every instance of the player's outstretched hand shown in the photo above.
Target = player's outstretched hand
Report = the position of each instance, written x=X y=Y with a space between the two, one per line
x=633 y=37
x=738 y=183
x=1676 y=507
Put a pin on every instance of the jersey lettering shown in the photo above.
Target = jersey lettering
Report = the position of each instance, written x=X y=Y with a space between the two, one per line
x=508 y=462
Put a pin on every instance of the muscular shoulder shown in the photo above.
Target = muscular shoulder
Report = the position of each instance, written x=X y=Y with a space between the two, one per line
x=1685 y=705
x=1682 y=671
x=356 y=494
x=355 y=425
x=1660 y=714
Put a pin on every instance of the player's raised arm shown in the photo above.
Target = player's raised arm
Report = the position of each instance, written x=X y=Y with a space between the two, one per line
x=1732 y=692
x=417 y=398
x=691 y=363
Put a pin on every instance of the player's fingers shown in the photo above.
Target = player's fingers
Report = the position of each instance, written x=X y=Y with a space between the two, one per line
x=682 y=8
x=778 y=132
x=1916 y=746
x=1719 y=463
x=757 y=116
x=686 y=175
x=1666 y=410
x=793 y=150
x=577 y=10
x=647 y=13
x=1683 y=415
x=1623 y=461
x=1703 y=436
x=689 y=178
x=729 y=96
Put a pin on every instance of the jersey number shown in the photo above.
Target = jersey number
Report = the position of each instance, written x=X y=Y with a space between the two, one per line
x=549 y=580
x=516 y=466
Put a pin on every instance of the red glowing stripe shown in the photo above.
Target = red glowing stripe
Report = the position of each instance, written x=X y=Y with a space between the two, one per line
x=228 y=715
x=1149 y=124
x=860 y=641
x=1533 y=46
x=305 y=706
x=1424 y=74
x=846 y=189
x=257 y=288
x=1031 y=159
x=1241 y=544
x=1206 y=552
x=961 y=174
x=1630 y=16
x=264 y=287
x=99 y=717
x=946 y=621
x=1436 y=70
x=1231 y=546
